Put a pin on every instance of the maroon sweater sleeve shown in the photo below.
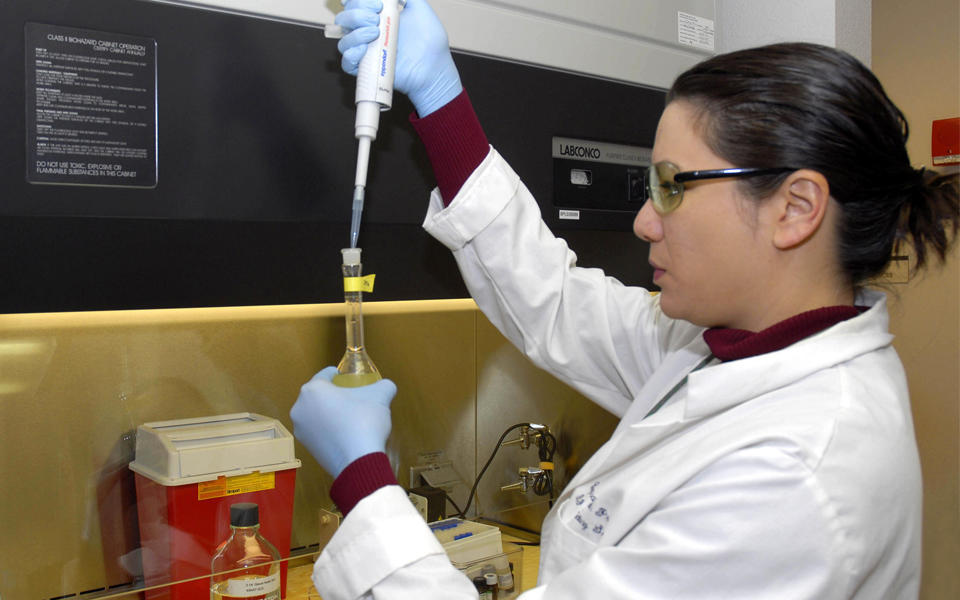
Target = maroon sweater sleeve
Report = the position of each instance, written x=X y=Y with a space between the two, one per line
x=361 y=478
x=455 y=142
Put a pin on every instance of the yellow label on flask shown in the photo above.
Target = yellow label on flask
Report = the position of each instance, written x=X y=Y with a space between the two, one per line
x=238 y=484
x=358 y=284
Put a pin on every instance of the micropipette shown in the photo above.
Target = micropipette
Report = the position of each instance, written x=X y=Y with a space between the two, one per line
x=374 y=94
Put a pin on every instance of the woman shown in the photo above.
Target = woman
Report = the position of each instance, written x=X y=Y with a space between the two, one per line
x=765 y=448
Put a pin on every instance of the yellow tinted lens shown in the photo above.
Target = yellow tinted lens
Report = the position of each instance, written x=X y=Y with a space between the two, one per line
x=663 y=191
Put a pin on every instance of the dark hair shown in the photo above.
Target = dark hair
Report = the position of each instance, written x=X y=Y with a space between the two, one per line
x=809 y=106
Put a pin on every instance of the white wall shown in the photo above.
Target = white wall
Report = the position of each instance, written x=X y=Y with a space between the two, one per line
x=855 y=28
x=844 y=24
x=747 y=23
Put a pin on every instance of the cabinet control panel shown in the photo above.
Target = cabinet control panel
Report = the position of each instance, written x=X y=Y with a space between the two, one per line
x=598 y=185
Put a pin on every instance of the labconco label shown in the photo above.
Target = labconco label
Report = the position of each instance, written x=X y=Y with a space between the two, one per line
x=592 y=151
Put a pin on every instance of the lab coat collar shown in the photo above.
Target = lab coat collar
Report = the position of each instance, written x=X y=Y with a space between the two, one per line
x=722 y=386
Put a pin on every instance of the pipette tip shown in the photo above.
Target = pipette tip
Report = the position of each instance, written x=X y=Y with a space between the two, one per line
x=357 y=210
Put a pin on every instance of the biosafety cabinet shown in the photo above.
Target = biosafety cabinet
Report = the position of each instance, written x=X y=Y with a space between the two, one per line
x=176 y=181
x=162 y=155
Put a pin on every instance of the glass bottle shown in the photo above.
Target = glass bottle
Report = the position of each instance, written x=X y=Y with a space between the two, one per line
x=355 y=368
x=491 y=581
x=484 y=591
x=245 y=565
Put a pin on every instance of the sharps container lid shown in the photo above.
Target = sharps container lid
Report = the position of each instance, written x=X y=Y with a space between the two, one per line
x=188 y=451
x=244 y=514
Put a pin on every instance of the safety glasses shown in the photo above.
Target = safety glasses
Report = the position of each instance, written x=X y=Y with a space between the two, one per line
x=665 y=181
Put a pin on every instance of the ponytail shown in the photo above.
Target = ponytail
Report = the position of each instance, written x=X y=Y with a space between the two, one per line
x=930 y=217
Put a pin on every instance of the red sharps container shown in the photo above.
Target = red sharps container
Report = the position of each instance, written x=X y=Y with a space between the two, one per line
x=188 y=473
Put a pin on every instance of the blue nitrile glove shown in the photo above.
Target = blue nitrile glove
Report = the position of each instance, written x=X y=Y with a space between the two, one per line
x=339 y=425
x=425 y=71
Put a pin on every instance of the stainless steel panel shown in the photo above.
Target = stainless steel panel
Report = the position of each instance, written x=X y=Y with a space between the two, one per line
x=511 y=389
x=73 y=391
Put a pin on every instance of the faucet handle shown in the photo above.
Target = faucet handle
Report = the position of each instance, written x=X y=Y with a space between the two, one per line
x=527 y=476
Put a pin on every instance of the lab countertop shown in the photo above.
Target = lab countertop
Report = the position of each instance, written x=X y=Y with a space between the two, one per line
x=300 y=587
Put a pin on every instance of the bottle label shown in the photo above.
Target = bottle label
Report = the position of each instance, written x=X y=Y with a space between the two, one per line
x=254 y=587
x=236 y=484
x=359 y=284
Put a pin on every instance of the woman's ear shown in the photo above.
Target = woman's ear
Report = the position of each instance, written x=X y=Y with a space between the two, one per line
x=802 y=204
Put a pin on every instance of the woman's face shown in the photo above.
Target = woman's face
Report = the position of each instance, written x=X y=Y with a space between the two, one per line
x=709 y=254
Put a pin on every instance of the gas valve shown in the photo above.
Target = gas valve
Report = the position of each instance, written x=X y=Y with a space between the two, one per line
x=528 y=476
x=528 y=433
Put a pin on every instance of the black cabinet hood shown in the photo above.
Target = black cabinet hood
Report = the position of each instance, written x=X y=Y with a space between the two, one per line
x=255 y=161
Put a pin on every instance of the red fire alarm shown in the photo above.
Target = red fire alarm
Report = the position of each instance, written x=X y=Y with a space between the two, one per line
x=945 y=142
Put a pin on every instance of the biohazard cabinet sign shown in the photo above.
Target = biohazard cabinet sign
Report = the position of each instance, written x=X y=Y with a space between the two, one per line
x=91 y=107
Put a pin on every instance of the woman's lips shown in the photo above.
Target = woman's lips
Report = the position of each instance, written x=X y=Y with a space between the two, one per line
x=657 y=270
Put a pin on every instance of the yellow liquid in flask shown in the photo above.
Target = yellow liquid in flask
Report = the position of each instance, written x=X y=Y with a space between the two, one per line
x=355 y=379
x=355 y=368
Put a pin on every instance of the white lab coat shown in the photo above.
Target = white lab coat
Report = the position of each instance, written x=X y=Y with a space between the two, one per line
x=792 y=474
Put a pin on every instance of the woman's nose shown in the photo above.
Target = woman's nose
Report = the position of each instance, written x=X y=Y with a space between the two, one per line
x=647 y=225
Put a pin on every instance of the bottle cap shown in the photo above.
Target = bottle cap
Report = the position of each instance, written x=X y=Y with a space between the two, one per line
x=244 y=514
x=490 y=578
x=351 y=256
